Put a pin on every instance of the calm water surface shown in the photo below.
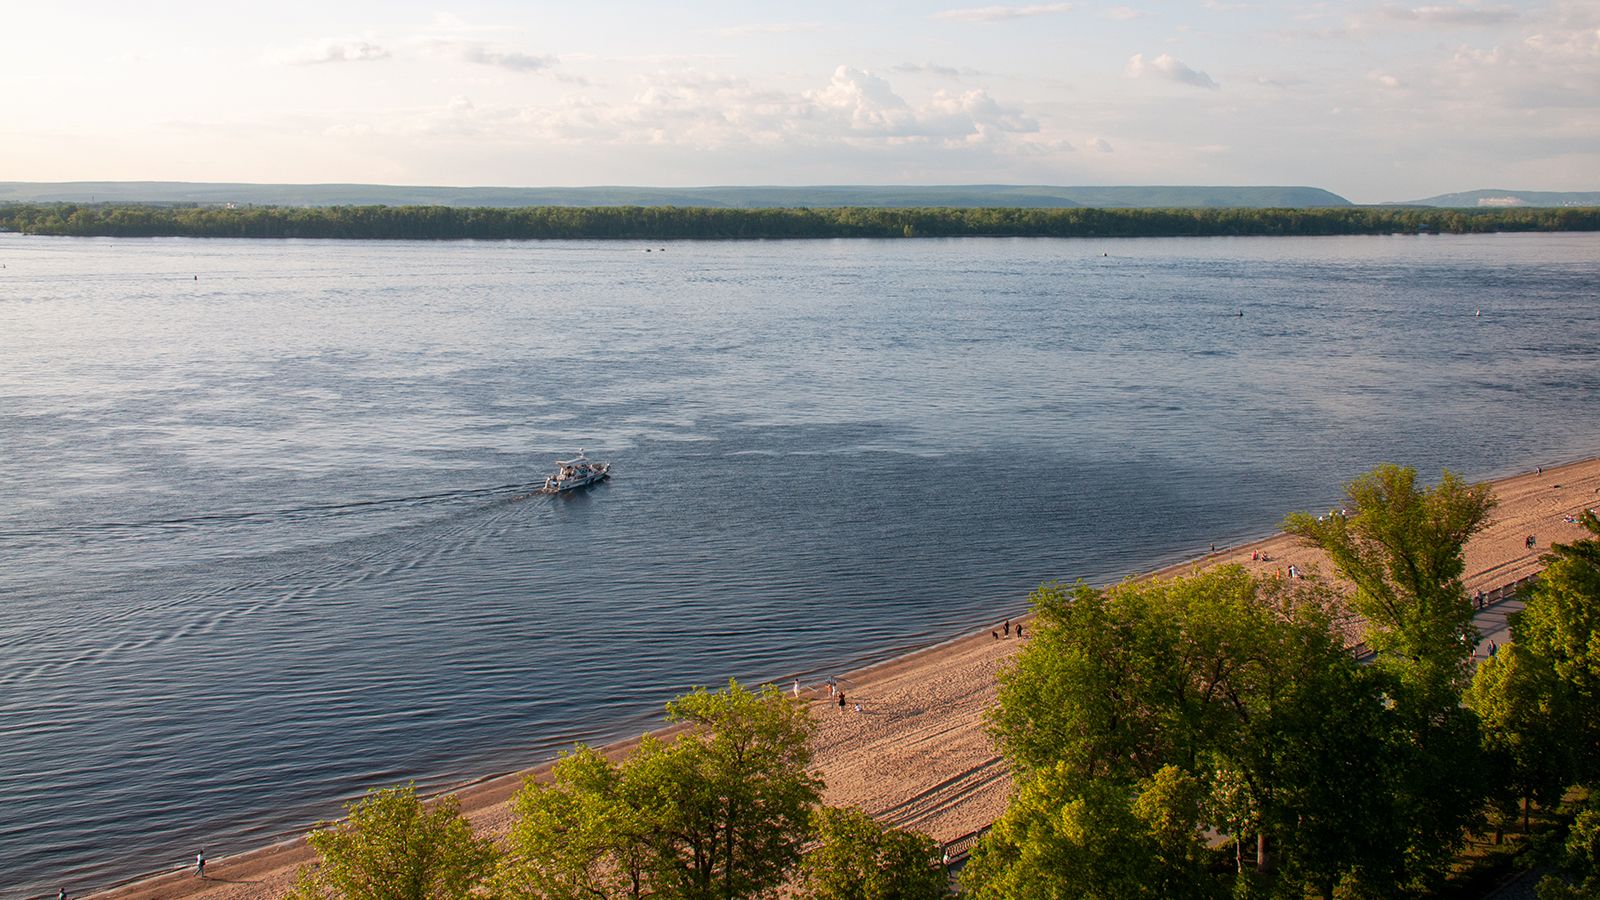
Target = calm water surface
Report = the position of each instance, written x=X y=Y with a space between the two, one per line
x=266 y=537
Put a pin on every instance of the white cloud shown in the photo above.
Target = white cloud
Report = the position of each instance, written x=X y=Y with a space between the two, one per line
x=1124 y=13
x=1167 y=67
x=1001 y=13
x=1452 y=15
x=695 y=110
x=504 y=59
x=1383 y=79
x=333 y=50
x=1099 y=145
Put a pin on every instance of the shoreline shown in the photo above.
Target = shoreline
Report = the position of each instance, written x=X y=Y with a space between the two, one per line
x=918 y=756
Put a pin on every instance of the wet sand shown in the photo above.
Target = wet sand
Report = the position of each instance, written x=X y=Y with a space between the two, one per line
x=918 y=754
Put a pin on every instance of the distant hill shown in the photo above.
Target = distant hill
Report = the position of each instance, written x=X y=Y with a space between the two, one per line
x=735 y=197
x=1496 y=197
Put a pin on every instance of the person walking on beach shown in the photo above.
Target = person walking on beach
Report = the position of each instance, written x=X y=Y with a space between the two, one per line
x=1008 y=628
x=841 y=701
x=1019 y=629
x=797 y=689
x=200 y=864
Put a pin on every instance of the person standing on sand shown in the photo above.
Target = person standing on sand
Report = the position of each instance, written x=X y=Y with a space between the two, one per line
x=841 y=701
x=797 y=689
x=1019 y=630
x=200 y=864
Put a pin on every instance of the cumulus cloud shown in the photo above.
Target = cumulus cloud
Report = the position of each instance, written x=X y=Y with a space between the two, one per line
x=1099 y=145
x=1001 y=13
x=1452 y=15
x=694 y=110
x=872 y=109
x=333 y=50
x=1385 y=80
x=505 y=59
x=1167 y=67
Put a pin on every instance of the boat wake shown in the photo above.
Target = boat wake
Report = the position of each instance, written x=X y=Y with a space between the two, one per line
x=288 y=514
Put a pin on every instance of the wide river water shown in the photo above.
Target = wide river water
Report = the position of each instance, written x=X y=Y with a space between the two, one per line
x=266 y=530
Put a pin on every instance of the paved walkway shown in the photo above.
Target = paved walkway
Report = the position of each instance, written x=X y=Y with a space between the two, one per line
x=1493 y=627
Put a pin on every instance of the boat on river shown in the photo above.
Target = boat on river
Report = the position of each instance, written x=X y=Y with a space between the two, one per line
x=577 y=472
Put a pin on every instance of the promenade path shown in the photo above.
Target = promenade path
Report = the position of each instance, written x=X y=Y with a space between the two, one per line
x=918 y=754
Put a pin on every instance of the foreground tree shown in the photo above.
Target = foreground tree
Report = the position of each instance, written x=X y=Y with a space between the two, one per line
x=1065 y=837
x=590 y=833
x=859 y=859
x=394 y=847
x=1560 y=633
x=1539 y=697
x=1402 y=547
x=1238 y=687
x=720 y=811
x=1581 y=860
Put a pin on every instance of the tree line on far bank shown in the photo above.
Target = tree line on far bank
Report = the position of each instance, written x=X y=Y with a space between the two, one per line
x=1207 y=736
x=672 y=222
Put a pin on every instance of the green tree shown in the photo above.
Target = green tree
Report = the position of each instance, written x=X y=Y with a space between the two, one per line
x=1559 y=631
x=1064 y=837
x=1528 y=725
x=720 y=811
x=1402 y=549
x=858 y=859
x=395 y=847
x=1582 y=861
x=1242 y=686
x=740 y=791
x=588 y=834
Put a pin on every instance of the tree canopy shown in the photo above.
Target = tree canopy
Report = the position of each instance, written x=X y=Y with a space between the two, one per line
x=1402 y=547
x=1140 y=716
x=394 y=847
x=721 y=810
x=858 y=859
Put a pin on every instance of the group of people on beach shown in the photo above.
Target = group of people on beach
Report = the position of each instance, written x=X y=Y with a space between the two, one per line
x=1006 y=628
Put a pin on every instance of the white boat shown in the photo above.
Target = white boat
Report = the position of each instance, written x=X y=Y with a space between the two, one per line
x=574 y=473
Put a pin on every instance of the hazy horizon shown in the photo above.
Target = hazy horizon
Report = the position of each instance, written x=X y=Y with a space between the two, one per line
x=1372 y=101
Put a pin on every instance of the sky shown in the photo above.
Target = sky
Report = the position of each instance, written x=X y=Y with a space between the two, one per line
x=1374 y=101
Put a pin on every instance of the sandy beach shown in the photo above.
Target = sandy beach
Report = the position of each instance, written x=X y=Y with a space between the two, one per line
x=917 y=754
